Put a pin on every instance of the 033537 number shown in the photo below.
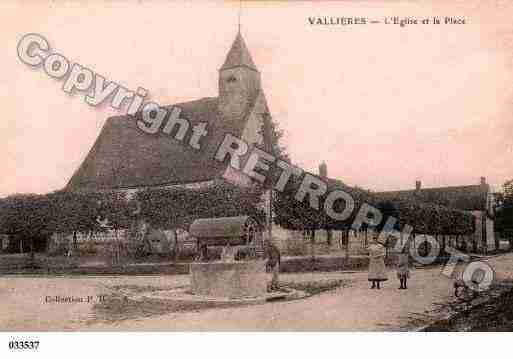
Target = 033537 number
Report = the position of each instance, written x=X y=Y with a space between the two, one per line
x=23 y=344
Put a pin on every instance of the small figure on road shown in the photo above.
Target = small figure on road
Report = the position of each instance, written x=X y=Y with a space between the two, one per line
x=272 y=253
x=377 y=269
x=403 y=269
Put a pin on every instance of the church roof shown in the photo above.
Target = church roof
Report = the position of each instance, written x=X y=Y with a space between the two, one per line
x=467 y=198
x=125 y=157
x=239 y=55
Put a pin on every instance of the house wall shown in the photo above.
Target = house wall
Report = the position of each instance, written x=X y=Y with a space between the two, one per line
x=4 y=242
x=478 y=233
x=490 y=234
x=484 y=231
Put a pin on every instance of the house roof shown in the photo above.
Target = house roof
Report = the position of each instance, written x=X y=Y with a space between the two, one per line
x=358 y=194
x=238 y=55
x=125 y=157
x=219 y=227
x=467 y=198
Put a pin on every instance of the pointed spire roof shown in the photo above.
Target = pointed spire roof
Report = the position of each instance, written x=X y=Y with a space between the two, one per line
x=239 y=55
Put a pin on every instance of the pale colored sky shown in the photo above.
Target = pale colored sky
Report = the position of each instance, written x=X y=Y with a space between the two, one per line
x=383 y=105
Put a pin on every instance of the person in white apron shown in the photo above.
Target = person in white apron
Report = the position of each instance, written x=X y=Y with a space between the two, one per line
x=377 y=269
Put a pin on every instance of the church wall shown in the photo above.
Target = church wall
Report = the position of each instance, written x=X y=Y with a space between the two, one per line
x=251 y=134
x=252 y=131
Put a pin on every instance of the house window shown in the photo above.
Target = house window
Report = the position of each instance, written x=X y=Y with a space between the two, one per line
x=231 y=79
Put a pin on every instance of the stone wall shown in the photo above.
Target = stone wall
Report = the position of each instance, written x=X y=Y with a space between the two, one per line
x=229 y=279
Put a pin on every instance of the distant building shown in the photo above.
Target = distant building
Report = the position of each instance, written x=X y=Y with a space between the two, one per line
x=477 y=199
x=508 y=189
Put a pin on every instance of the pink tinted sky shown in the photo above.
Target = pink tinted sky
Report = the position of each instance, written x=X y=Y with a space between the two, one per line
x=383 y=105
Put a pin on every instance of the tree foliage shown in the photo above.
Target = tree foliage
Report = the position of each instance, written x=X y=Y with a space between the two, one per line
x=504 y=215
x=25 y=215
x=169 y=208
x=424 y=218
x=73 y=212
x=428 y=218
x=33 y=215
x=299 y=215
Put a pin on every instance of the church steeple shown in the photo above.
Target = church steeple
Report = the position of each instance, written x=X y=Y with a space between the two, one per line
x=239 y=81
x=239 y=55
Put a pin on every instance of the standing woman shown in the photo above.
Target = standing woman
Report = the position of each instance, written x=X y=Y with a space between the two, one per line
x=377 y=270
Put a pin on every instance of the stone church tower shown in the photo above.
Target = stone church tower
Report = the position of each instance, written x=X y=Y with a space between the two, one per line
x=239 y=82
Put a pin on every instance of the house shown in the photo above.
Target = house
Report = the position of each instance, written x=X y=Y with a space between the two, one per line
x=477 y=199
x=508 y=189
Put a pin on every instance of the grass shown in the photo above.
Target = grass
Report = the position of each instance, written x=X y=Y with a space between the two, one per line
x=315 y=287
x=118 y=306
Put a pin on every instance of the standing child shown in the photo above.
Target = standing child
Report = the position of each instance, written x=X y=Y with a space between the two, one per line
x=403 y=270
x=272 y=253
x=377 y=269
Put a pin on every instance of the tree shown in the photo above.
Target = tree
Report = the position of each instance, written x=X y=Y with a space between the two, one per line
x=118 y=211
x=173 y=208
x=73 y=212
x=26 y=218
x=295 y=215
x=272 y=134
x=31 y=217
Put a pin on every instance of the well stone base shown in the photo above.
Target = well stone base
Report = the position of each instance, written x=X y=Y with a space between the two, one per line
x=236 y=279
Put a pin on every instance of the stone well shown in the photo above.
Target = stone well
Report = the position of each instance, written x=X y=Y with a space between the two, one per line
x=237 y=279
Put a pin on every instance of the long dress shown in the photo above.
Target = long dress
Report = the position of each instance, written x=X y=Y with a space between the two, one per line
x=377 y=269
x=403 y=270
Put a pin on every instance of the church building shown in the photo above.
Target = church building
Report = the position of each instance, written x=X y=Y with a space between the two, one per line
x=125 y=158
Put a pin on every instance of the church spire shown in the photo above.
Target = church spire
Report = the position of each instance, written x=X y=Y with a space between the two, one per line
x=239 y=81
x=240 y=13
x=239 y=55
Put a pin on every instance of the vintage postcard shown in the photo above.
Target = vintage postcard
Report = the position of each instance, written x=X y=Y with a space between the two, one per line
x=256 y=166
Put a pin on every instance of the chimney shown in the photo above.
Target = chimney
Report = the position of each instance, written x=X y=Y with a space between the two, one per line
x=483 y=181
x=418 y=185
x=323 y=170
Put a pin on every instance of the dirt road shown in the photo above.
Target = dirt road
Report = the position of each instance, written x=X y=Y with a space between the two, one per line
x=25 y=306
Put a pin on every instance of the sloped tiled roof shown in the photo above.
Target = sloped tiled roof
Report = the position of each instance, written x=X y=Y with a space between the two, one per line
x=239 y=55
x=467 y=198
x=358 y=194
x=125 y=157
x=219 y=227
